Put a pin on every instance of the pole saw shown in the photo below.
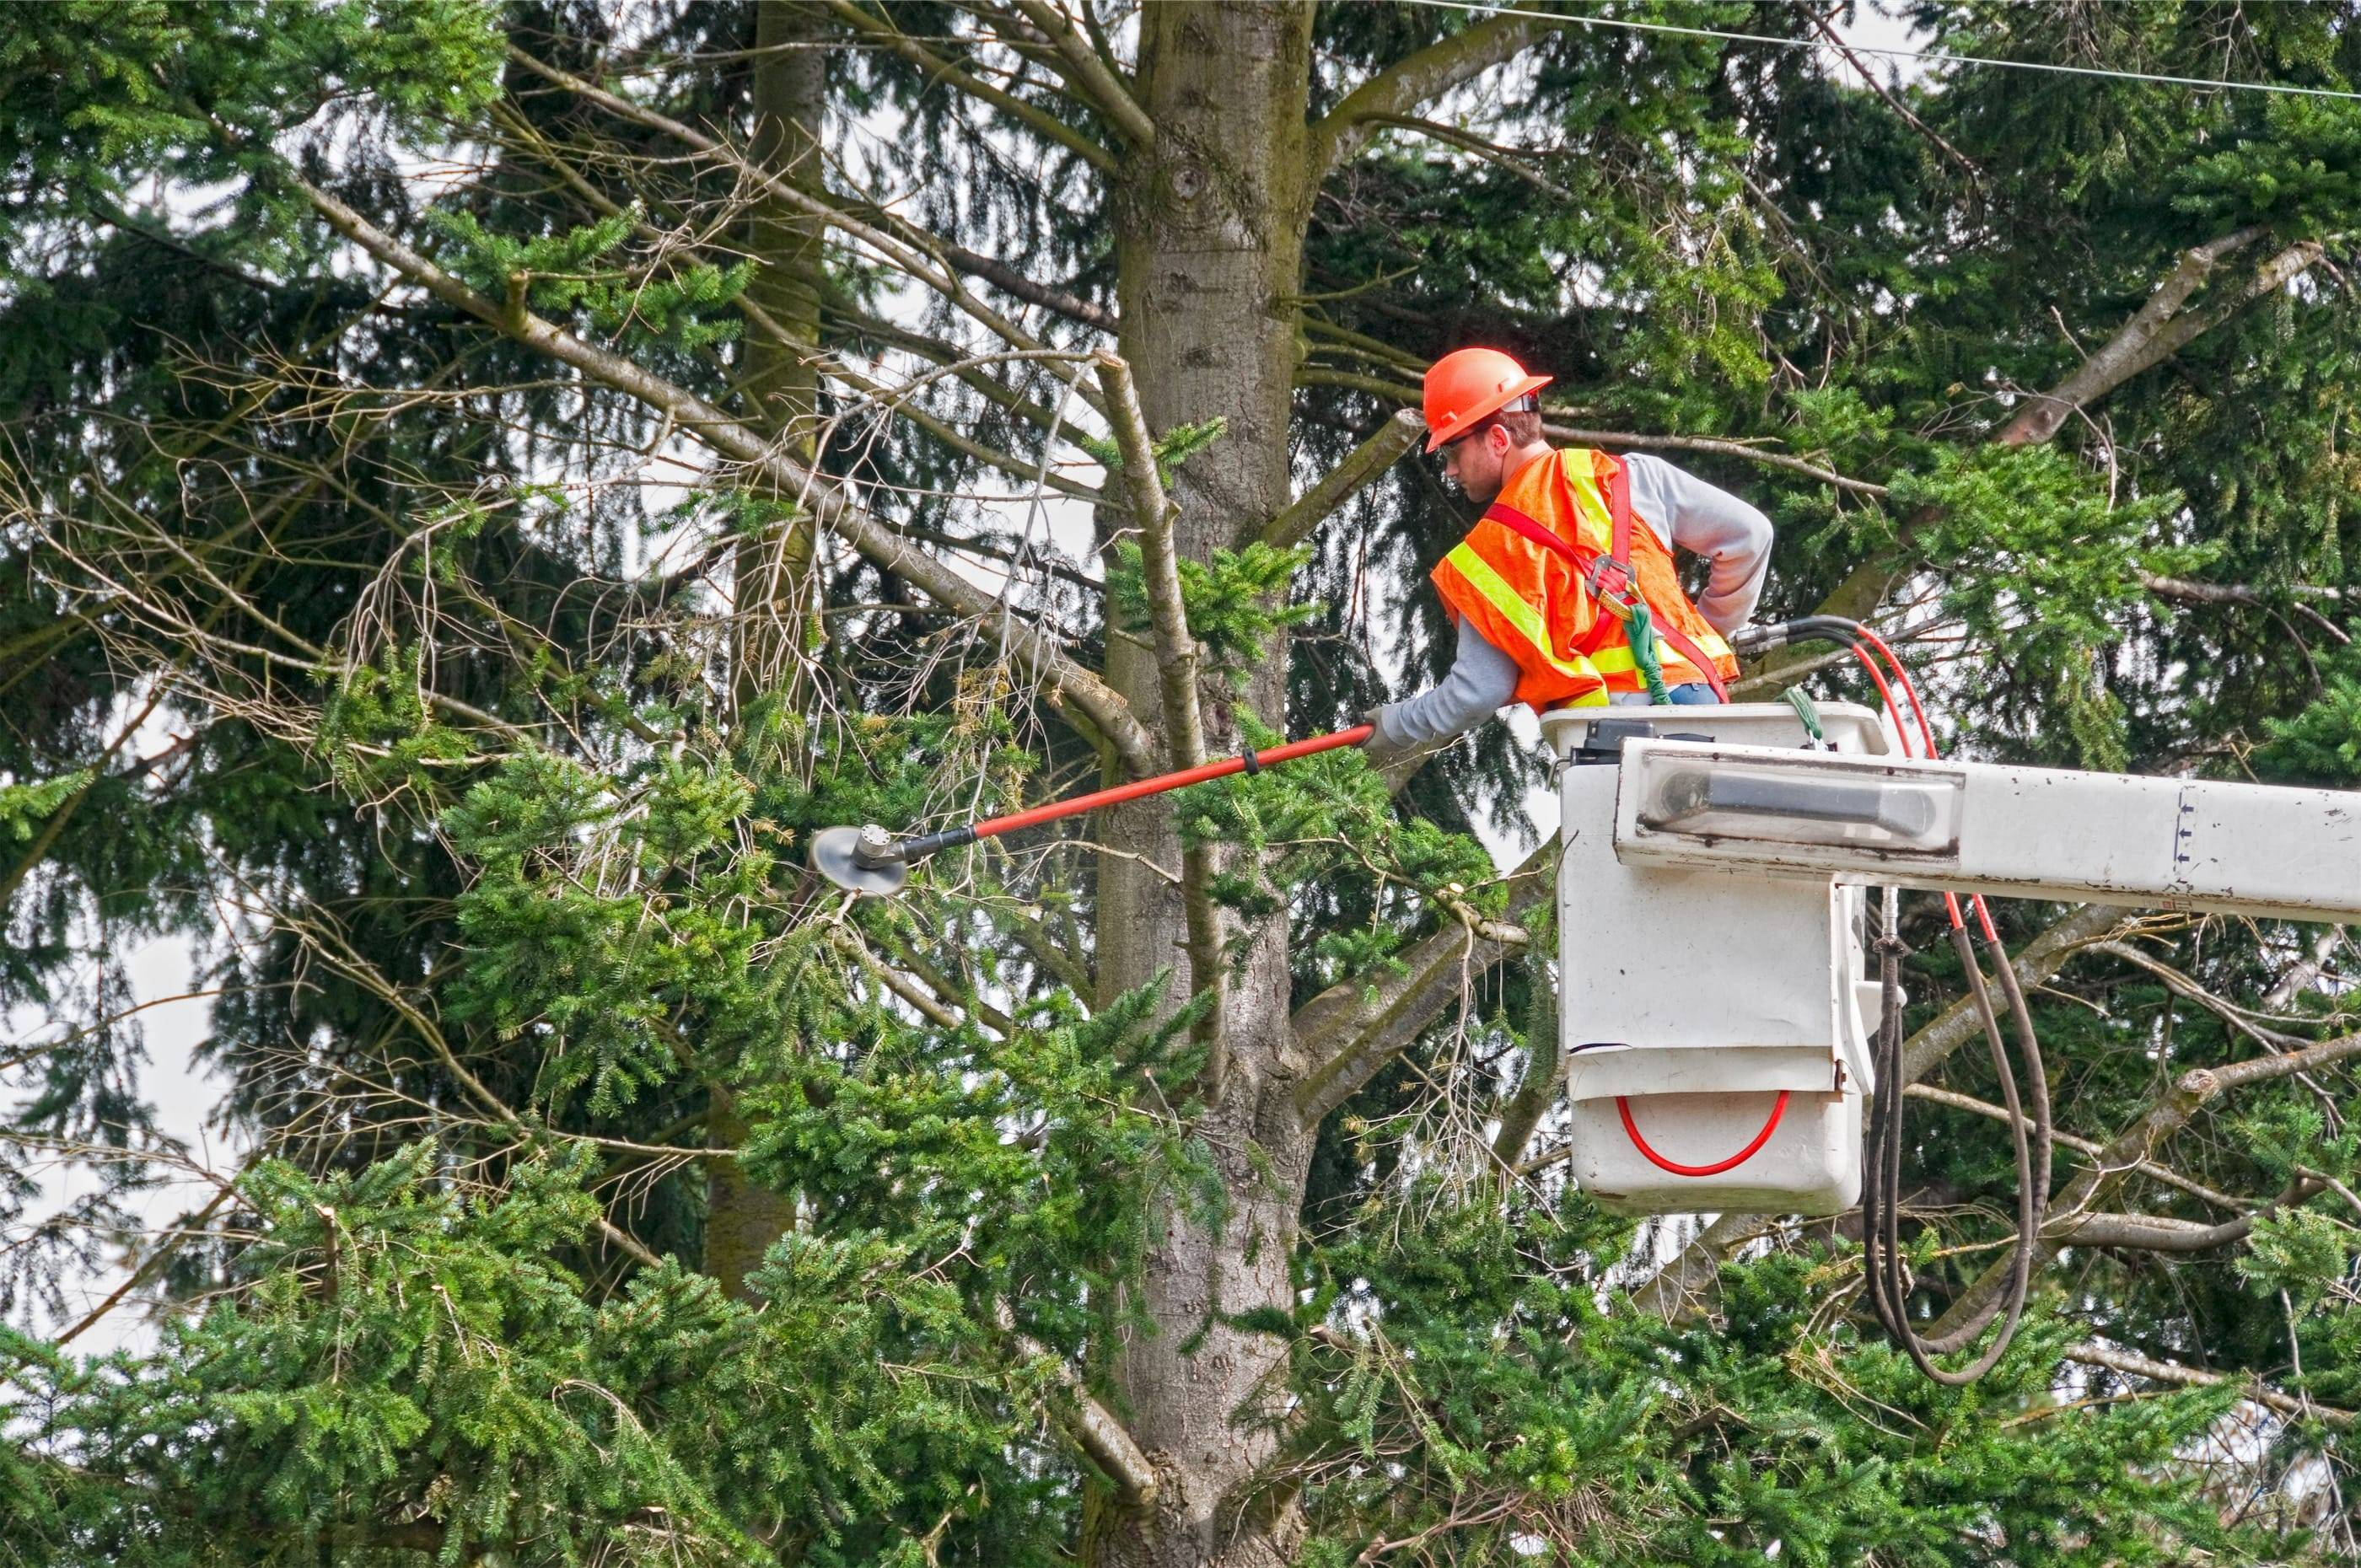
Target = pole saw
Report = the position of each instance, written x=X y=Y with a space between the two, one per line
x=869 y=861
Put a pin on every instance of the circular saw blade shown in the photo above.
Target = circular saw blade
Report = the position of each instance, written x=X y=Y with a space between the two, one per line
x=832 y=856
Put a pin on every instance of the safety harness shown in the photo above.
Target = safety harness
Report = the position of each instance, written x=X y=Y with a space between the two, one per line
x=1610 y=579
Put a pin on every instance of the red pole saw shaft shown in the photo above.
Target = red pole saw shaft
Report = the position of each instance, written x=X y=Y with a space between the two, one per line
x=1057 y=810
x=1253 y=761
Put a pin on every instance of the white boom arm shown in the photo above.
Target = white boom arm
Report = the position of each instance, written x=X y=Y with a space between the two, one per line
x=2237 y=849
x=1716 y=1008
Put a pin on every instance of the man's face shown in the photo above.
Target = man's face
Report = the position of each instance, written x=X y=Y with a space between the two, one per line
x=1477 y=461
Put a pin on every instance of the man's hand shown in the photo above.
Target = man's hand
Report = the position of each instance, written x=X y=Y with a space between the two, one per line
x=1382 y=747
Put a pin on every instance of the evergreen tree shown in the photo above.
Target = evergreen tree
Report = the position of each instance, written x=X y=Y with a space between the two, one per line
x=485 y=482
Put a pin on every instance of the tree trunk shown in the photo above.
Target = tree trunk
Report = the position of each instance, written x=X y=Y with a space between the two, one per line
x=1210 y=258
x=773 y=569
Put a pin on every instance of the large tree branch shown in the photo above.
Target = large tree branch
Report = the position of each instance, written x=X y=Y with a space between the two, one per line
x=1413 y=80
x=1009 y=281
x=1681 y=1287
x=1340 y=484
x=2162 y=1232
x=1176 y=668
x=1028 y=644
x=1351 y=1029
x=1176 y=649
x=1097 y=1430
x=2243 y=593
x=2154 y=331
x=2135 y=346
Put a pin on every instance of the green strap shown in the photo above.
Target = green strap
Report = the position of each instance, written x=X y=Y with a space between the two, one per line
x=1640 y=630
x=1806 y=709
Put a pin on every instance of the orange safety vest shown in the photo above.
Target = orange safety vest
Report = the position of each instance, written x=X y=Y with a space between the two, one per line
x=1541 y=576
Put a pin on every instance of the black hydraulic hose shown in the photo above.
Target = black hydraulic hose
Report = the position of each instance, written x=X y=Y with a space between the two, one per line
x=1884 y=1269
x=1883 y=1260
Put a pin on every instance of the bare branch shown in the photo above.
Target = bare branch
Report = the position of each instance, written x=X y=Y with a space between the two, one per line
x=1009 y=281
x=900 y=401
x=1410 y=82
x=1038 y=120
x=2182 y=985
x=913 y=249
x=2161 y=1233
x=771 y=326
x=2242 y=594
x=1340 y=484
x=1351 y=1029
x=147 y=1268
x=2189 y=1092
x=1812 y=15
x=1718 y=447
x=1029 y=644
x=1406 y=395
x=1090 y=75
x=1176 y=665
x=2089 y=1146
x=1508 y=158
x=1176 y=649
x=2133 y=1365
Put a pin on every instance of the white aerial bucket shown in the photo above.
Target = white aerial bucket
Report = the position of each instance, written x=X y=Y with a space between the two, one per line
x=1714 y=1022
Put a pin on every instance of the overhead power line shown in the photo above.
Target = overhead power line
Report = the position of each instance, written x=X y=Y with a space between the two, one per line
x=1935 y=57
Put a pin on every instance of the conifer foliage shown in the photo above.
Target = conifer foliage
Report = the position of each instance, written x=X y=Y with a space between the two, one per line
x=481 y=484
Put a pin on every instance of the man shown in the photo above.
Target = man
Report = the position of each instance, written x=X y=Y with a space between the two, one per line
x=1572 y=558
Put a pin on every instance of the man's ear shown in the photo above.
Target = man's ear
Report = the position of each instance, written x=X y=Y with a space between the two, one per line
x=1496 y=440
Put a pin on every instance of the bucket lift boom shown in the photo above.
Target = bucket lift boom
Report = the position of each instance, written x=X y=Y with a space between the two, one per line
x=1711 y=920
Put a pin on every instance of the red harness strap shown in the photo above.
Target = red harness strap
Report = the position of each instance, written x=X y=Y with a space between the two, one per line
x=1609 y=576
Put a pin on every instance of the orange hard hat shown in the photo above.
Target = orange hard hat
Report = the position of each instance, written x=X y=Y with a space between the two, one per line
x=1468 y=383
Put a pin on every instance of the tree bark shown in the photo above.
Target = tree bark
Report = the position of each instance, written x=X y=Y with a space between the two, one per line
x=1209 y=253
x=777 y=618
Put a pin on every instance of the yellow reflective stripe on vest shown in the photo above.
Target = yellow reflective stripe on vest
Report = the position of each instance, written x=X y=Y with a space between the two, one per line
x=1615 y=659
x=1582 y=477
x=1516 y=613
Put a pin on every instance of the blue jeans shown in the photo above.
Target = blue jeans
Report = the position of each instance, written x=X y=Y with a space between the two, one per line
x=1690 y=693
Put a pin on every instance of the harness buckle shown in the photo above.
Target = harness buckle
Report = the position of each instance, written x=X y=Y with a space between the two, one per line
x=1610 y=582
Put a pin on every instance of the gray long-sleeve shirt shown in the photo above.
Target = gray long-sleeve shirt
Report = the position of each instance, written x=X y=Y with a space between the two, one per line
x=1683 y=511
